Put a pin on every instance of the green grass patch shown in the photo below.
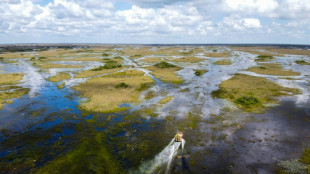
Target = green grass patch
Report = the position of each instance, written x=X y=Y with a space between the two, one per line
x=302 y=62
x=200 y=72
x=164 y=65
x=264 y=58
x=122 y=85
x=247 y=101
x=305 y=157
x=110 y=64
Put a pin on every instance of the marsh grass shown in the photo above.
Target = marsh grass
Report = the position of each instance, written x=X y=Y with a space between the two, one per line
x=166 y=74
x=223 y=62
x=105 y=97
x=152 y=59
x=218 y=54
x=60 y=77
x=91 y=73
x=257 y=50
x=256 y=91
x=14 y=55
x=8 y=96
x=61 y=86
x=190 y=59
x=166 y=100
x=273 y=69
x=12 y=78
x=150 y=95
x=8 y=91
x=54 y=65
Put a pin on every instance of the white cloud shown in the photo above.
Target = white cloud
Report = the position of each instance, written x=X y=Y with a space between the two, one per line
x=158 y=21
x=238 y=23
x=183 y=19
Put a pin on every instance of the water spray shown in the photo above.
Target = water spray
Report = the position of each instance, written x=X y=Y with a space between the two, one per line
x=164 y=158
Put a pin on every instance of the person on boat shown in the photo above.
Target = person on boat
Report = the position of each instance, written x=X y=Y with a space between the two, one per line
x=178 y=137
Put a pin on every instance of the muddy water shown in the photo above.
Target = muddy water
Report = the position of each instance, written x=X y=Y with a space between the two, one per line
x=223 y=141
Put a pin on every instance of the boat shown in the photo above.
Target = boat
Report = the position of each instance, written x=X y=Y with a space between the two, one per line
x=178 y=137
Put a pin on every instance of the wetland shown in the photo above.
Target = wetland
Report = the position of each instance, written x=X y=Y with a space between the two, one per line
x=115 y=108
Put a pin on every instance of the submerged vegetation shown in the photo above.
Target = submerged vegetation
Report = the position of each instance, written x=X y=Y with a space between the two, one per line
x=251 y=93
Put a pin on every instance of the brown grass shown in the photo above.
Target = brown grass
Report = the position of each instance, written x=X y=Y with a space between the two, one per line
x=152 y=59
x=15 y=55
x=273 y=69
x=60 y=77
x=7 y=79
x=190 y=59
x=6 y=97
x=223 y=62
x=272 y=51
x=166 y=100
x=90 y=73
x=54 y=65
x=105 y=97
x=256 y=50
x=220 y=54
x=166 y=74
x=10 y=79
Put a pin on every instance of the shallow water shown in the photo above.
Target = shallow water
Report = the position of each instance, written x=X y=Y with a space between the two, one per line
x=223 y=141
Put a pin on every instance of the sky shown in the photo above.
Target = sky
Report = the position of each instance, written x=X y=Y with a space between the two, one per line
x=155 y=21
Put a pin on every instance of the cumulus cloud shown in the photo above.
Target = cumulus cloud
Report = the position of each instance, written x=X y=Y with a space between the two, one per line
x=184 y=19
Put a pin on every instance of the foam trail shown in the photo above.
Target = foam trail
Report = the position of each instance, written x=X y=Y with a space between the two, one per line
x=165 y=157
x=183 y=144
